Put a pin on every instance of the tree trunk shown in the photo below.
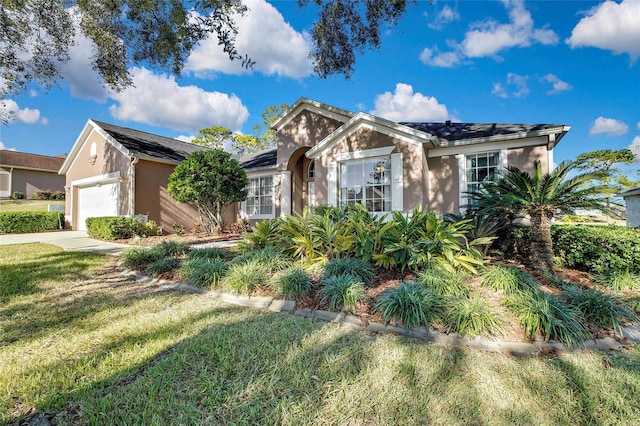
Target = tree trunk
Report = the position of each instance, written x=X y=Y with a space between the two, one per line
x=541 y=244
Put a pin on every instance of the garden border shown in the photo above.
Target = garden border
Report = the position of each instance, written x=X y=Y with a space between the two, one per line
x=630 y=333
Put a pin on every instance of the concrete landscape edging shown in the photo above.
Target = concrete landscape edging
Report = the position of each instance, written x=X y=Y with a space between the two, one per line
x=630 y=333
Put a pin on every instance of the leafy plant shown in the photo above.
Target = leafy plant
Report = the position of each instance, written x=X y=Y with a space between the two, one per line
x=350 y=266
x=160 y=266
x=292 y=282
x=17 y=195
x=471 y=316
x=207 y=253
x=508 y=279
x=203 y=272
x=411 y=304
x=545 y=315
x=26 y=221
x=618 y=280
x=443 y=282
x=604 y=310
x=172 y=248
x=272 y=258
x=266 y=232
x=246 y=277
x=137 y=257
x=177 y=228
x=344 y=290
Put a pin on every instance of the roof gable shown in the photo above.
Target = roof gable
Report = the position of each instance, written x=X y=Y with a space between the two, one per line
x=314 y=106
x=24 y=160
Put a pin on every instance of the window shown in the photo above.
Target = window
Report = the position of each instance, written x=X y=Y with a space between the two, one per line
x=366 y=181
x=5 y=182
x=479 y=167
x=311 y=171
x=259 y=202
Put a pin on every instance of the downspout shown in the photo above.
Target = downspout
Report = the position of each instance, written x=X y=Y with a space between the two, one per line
x=132 y=185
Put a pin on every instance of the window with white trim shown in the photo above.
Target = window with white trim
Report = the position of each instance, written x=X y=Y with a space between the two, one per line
x=479 y=167
x=259 y=202
x=366 y=181
x=5 y=182
x=311 y=170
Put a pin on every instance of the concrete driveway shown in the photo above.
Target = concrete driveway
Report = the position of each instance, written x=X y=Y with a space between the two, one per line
x=68 y=240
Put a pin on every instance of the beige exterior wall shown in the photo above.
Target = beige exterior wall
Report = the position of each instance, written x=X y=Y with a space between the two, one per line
x=444 y=184
x=523 y=158
x=31 y=181
x=107 y=160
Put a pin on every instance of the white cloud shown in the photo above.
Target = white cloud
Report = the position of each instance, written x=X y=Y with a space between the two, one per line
x=405 y=105
x=558 y=85
x=445 y=16
x=610 y=26
x=436 y=58
x=266 y=38
x=12 y=111
x=84 y=81
x=158 y=100
x=635 y=147
x=517 y=83
x=3 y=146
x=489 y=37
x=185 y=138
x=608 y=126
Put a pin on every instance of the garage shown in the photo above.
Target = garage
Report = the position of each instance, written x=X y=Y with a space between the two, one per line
x=96 y=201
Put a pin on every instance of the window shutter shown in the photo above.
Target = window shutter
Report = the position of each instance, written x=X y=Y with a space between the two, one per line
x=462 y=182
x=397 y=184
x=332 y=183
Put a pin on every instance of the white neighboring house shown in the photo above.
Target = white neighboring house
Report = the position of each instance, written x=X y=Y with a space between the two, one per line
x=632 y=201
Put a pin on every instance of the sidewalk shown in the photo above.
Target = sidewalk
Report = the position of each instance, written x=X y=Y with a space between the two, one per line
x=68 y=240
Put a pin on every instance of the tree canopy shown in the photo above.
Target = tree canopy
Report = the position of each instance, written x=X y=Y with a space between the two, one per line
x=213 y=137
x=36 y=35
x=211 y=180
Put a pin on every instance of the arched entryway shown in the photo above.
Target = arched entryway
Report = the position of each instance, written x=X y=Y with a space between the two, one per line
x=301 y=177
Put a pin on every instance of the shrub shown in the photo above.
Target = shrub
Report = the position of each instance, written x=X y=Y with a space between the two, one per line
x=411 y=304
x=442 y=282
x=272 y=258
x=350 y=266
x=604 y=310
x=137 y=257
x=112 y=227
x=17 y=222
x=17 y=195
x=471 y=316
x=177 y=228
x=149 y=228
x=207 y=253
x=58 y=195
x=544 y=314
x=345 y=290
x=292 y=282
x=203 y=272
x=160 y=266
x=172 y=248
x=618 y=280
x=42 y=195
x=508 y=279
x=265 y=233
x=246 y=277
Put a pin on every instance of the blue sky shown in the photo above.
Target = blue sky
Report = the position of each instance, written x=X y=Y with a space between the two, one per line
x=563 y=62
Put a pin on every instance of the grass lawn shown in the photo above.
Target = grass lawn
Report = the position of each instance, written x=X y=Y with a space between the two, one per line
x=84 y=345
x=27 y=205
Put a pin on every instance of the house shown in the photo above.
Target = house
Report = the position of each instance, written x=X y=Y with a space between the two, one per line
x=632 y=211
x=324 y=156
x=29 y=173
x=329 y=156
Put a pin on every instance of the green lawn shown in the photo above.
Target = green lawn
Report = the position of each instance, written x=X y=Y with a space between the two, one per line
x=87 y=346
x=27 y=205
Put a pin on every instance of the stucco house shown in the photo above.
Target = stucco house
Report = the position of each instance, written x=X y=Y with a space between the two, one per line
x=29 y=173
x=327 y=155
x=632 y=209
x=324 y=156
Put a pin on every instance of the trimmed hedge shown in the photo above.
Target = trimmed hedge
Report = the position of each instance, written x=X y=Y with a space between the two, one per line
x=113 y=227
x=19 y=222
x=590 y=248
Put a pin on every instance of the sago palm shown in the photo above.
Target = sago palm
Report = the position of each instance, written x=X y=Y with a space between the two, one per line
x=541 y=196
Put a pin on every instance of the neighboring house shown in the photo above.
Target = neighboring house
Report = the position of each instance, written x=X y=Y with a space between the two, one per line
x=325 y=156
x=632 y=211
x=330 y=156
x=29 y=173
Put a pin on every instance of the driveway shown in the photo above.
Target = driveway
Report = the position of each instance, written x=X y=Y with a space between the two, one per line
x=68 y=240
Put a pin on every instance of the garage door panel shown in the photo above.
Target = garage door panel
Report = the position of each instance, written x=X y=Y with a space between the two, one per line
x=97 y=201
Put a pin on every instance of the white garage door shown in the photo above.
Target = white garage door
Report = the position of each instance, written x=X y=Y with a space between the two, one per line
x=97 y=201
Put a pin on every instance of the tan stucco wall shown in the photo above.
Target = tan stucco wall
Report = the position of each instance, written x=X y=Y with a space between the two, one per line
x=107 y=160
x=152 y=198
x=443 y=184
x=523 y=158
x=31 y=181
x=306 y=129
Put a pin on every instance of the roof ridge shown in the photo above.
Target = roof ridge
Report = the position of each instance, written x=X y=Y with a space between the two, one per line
x=100 y=123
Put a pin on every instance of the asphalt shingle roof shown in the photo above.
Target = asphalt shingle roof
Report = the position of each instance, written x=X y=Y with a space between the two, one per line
x=452 y=132
x=259 y=160
x=148 y=144
x=25 y=160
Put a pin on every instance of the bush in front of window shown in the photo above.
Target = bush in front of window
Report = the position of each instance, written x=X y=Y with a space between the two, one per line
x=17 y=195
x=20 y=222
